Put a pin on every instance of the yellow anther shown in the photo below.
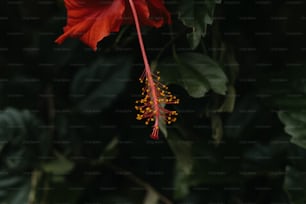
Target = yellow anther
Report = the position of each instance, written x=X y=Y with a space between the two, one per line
x=146 y=106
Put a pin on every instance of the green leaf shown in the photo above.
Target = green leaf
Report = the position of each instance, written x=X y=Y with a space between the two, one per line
x=21 y=143
x=196 y=14
x=151 y=197
x=195 y=72
x=110 y=150
x=217 y=128
x=229 y=101
x=14 y=189
x=60 y=166
x=182 y=150
x=295 y=125
x=295 y=185
x=163 y=127
x=21 y=140
x=96 y=87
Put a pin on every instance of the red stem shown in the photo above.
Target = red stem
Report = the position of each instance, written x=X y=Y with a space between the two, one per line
x=151 y=83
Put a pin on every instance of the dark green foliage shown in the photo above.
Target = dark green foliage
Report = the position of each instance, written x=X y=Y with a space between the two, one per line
x=196 y=73
x=97 y=86
x=68 y=132
x=23 y=146
x=295 y=124
x=196 y=14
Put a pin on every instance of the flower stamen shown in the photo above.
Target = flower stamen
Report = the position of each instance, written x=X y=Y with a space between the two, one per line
x=156 y=95
x=151 y=113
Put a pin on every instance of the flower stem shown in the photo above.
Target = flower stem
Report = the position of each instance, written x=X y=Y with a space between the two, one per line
x=151 y=83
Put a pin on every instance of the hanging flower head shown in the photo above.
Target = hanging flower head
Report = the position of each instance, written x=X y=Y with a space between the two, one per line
x=92 y=20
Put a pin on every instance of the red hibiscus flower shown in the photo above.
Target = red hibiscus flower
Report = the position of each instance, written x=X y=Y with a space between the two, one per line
x=92 y=20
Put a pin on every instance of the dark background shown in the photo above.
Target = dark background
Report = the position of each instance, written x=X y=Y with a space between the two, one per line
x=68 y=132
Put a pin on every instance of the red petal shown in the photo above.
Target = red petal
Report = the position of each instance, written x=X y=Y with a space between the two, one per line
x=92 y=20
x=150 y=13
x=159 y=11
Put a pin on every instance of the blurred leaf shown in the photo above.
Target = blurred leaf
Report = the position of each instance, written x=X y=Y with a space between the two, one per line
x=181 y=184
x=247 y=112
x=22 y=139
x=14 y=189
x=110 y=150
x=163 y=127
x=151 y=197
x=265 y=158
x=226 y=57
x=217 y=128
x=96 y=87
x=197 y=14
x=229 y=102
x=196 y=73
x=295 y=185
x=60 y=166
x=295 y=125
x=21 y=146
x=182 y=150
